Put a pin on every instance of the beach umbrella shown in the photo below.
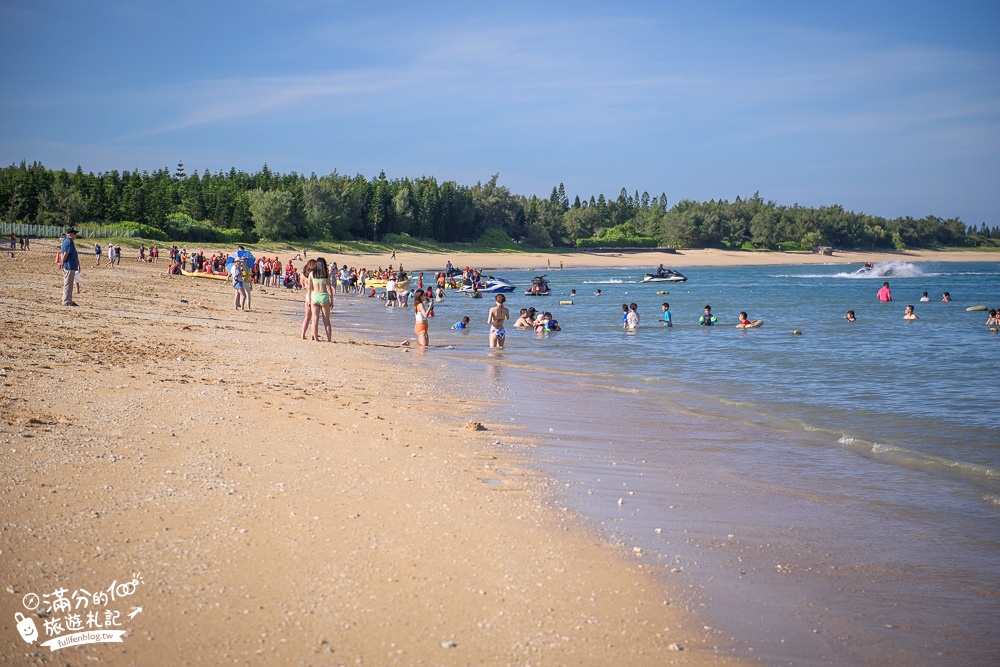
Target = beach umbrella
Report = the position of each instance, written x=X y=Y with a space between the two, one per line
x=244 y=254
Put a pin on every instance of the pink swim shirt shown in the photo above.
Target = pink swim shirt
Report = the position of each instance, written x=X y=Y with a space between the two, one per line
x=884 y=294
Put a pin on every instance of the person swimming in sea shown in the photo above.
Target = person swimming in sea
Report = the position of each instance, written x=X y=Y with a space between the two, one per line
x=708 y=319
x=547 y=323
x=632 y=317
x=461 y=325
x=908 y=314
x=745 y=322
x=946 y=297
x=850 y=316
x=524 y=321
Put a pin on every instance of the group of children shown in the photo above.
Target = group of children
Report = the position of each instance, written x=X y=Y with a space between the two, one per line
x=630 y=317
x=530 y=319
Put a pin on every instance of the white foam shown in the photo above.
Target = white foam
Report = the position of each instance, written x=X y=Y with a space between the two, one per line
x=888 y=270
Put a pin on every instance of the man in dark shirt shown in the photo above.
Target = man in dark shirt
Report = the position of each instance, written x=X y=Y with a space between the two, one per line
x=70 y=263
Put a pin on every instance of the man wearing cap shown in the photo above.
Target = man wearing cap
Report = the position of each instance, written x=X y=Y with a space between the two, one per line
x=70 y=262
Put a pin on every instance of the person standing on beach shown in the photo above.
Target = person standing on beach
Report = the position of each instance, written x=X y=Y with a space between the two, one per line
x=237 y=276
x=319 y=293
x=498 y=314
x=307 y=271
x=97 y=251
x=884 y=295
x=420 y=312
x=247 y=275
x=70 y=263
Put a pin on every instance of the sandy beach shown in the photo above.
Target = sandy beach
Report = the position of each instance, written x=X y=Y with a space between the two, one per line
x=269 y=499
x=681 y=258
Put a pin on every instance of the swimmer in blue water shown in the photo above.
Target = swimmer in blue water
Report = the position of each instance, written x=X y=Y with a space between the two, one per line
x=667 y=322
x=708 y=319
x=461 y=325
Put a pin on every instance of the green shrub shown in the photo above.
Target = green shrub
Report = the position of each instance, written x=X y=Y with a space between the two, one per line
x=141 y=230
x=394 y=239
x=536 y=236
x=617 y=242
x=138 y=230
x=496 y=239
x=624 y=235
x=233 y=235
x=182 y=227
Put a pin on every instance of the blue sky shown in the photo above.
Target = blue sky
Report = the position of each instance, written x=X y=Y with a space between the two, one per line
x=892 y=108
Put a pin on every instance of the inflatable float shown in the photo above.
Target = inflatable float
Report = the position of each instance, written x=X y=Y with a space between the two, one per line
x=972 y=309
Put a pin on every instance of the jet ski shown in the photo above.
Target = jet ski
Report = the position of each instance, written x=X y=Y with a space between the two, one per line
x=488 y=285
x=539 y=287
x=664 y=276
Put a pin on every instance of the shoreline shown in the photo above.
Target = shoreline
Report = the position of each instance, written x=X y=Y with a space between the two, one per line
x=682 y=258
x=283 y=498
x=550 y=261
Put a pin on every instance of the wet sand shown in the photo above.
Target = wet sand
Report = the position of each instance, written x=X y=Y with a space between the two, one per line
x=281 y=501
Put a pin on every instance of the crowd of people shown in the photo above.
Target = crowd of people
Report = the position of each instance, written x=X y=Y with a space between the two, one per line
x=320 y=282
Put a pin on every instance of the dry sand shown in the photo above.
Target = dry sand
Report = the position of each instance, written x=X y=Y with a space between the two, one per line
x=707 y=257
x=279 y=501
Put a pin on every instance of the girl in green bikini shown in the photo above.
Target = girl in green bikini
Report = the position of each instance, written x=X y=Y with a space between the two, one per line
x=320 y=295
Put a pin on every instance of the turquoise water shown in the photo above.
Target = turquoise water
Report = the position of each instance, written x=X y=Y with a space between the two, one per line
x=825 y=498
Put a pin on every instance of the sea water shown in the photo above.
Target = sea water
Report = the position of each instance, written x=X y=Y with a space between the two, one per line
x=828 y=497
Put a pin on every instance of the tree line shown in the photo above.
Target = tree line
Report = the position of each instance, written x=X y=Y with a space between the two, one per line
x=237 y=205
